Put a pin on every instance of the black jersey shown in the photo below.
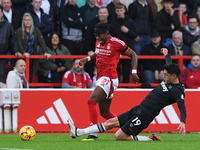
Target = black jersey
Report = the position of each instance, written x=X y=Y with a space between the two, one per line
x=161 y=96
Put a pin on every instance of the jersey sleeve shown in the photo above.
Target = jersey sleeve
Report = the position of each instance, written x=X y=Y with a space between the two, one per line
x=181 y=105
x=123 y=47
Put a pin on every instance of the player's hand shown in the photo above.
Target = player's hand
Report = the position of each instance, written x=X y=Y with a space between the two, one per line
x=164 y=51
x=181 y=128
x=135 y=78
x=90 y=53
x=83 y=61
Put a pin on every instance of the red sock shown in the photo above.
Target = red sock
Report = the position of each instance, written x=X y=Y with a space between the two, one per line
x=92 y=111
x=108 y=115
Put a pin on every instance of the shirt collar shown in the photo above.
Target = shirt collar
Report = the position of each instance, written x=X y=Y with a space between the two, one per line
x=145 y=3
x=18 y=72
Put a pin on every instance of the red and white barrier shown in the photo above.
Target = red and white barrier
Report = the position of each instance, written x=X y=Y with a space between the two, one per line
x=48 y=110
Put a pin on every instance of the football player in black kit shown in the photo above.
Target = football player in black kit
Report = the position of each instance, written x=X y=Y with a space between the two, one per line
x=132 y=122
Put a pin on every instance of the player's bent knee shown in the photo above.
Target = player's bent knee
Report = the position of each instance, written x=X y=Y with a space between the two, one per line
x=111 y=123
x=120 y=135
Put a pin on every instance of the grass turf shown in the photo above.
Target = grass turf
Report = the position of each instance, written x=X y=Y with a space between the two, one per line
x=106 y=142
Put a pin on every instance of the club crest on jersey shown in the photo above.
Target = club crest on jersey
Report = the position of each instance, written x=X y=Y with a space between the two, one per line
x=96 y=50
x=164 y=86
x=108 y=46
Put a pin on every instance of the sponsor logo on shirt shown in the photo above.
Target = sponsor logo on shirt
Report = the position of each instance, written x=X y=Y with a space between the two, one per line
x=103 y=51
x=164 y=86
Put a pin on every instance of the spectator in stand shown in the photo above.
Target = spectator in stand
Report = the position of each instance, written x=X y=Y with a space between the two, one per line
x=15 y=18
x=11 y=15
x=29 y=38
x=7 y=36
x=77 y=77
x=190 y=77
x=153 y=68
x=178 y=48
x=54 y=14
x=191 y=31
x=111 y=9
x=167 y=21
x=20 y=5
x=198 y=14
x=189 y=5
x=73 y=24
x=125 y=29
x=182 y=8
x=16 y=78
x=90 y=11
x=41 y=20
x=90 y=40
x=57 y=67
x=140 y=11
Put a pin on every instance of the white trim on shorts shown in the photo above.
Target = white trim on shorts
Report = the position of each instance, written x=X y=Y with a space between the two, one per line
x=105 y=83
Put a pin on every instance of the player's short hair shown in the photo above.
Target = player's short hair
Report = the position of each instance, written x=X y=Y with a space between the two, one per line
x=173 y=69
x=192 y=16
x=101 y=28
x=119 y=6
x=1 y=8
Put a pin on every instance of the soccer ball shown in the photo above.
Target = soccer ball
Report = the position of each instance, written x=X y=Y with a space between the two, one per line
x=27 y=133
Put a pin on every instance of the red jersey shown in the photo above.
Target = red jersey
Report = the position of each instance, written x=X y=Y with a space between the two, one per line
x=107 y=56
x=184 y=18
x=190 y=78
x=77 y=80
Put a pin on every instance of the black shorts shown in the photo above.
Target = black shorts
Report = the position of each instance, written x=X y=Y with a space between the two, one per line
x=133 y=121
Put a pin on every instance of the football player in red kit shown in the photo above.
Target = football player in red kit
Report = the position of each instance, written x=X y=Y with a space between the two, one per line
x=107 y=54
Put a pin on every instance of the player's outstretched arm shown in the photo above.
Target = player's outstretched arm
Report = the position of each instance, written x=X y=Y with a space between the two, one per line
x=181 y=128
x=167 y=56
x=84 y=60
x=134 y=64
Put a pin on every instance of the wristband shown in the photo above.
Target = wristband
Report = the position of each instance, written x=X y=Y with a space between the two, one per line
x=89 y=58
x=134 y=71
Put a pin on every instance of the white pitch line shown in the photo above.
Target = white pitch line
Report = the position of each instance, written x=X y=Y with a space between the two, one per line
x=15 y=149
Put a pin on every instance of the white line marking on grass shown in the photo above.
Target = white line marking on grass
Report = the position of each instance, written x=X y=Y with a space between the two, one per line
x=15 y=149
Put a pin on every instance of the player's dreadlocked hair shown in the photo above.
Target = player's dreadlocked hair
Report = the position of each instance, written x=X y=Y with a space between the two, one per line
x=173 y=69
x=101 y=28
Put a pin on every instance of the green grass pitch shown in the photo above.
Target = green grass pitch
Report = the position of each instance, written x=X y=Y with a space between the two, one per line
x=106 y=142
